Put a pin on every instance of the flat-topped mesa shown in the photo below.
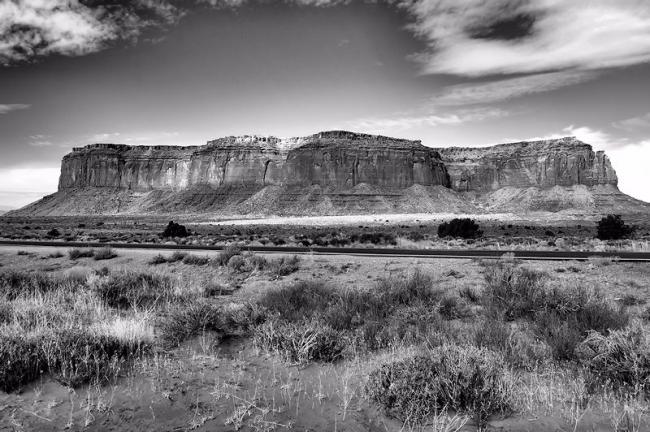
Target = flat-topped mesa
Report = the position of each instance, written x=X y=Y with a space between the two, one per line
x=335 y=160
x=557 y=162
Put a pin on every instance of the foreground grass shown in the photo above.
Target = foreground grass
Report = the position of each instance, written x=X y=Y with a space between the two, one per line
x=515 y=344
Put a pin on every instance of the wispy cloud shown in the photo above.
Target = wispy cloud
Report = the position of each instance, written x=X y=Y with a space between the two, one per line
x=478 y=37
x=634 y=124
x=495 y=91
x=40 y=140
x=6 y=108
x=403 y=122
x=32 y=28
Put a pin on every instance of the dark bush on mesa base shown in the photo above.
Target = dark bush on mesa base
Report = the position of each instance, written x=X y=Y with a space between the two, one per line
x=463 y=228
x=175 y=230
x=612 y=227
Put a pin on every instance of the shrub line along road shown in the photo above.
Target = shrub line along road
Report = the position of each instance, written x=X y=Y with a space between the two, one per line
x=415 y=253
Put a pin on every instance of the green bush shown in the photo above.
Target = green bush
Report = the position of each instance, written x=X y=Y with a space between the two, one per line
x=14 y=284
x=459 y=228
x=612 y=227
x=297 y=301
x=512 y=291
x=196 y=260
x=76 y=356
x=460 y=378
x=175 y=230
x=104 y=254
x=300 y=342
x=128 y=289
x=72 y=356
x=284 y=266
x=225 y=255
x=158 y=259
x=177 y=256
x=191 y=319
x=80 y=253
x=21 y=360
x=452 y=307
x=619 y=360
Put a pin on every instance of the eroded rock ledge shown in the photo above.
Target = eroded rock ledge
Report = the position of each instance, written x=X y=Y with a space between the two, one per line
x=335 y=160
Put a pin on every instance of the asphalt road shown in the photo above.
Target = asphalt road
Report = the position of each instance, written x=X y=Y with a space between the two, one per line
x=415 y=253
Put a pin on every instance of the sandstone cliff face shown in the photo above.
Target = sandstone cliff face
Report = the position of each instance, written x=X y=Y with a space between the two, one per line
x=335 y=172
x=332 y=160
x=544 y=164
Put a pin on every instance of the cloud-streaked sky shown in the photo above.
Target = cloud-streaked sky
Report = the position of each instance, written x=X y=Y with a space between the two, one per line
x=448 y=72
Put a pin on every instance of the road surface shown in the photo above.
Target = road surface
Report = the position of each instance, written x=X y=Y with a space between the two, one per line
x=415 y=253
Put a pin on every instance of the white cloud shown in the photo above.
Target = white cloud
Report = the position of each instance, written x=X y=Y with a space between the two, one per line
x=495 y=91
x=631 y=164
x=5 y=108
x=634 y=123
x=20 y=186
x=402 y=122
x=31 y=28
x=40 y=140
x=575 y=34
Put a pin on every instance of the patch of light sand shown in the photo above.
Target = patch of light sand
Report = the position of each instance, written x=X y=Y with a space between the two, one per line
x=378 y=219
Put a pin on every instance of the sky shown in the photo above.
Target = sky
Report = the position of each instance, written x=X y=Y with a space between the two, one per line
x=446 y=72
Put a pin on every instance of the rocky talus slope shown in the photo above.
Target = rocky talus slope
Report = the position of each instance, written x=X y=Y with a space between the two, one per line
x=334 y=172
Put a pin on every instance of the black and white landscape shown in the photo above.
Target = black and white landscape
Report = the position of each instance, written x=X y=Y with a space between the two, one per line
x=380 y=215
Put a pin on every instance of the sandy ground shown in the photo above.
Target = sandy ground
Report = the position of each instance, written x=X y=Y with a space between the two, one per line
x=230 y=386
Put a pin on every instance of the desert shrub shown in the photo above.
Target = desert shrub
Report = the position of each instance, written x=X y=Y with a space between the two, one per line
x=519 y=347
x=80 y=253
x=256 y=262
x=57 y=254
x=21 y=360
x=174 y=229
x=564 y=330
x=104 y=254
x=176 y=257
x=632 y=300
x=416 y=287
x=297 y=301
x=300 y=342
x=284 y=266
x=196 y=260
x=612 y=227
x=512 y=291
x=191 y=319
x=461 y=378
x=237 y=263
x=620 y=359
x=129 y=289
x=463 y=228
x=72 y=356
x=225 y=255
x=415 y=236
x=213 y=289
x=452 y=307
x=53 y=233
x=470 y=293
x=17 y=283
x=158 y=259
x=77 y=356
x=6 y=312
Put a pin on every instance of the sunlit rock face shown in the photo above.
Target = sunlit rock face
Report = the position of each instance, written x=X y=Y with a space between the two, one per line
x=335 y=172
x=544 y=164
x=331 y=160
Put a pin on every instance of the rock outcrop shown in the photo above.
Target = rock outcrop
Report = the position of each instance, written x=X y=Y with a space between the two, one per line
x=333 y=172
x=544 y=164
x=331 y=160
